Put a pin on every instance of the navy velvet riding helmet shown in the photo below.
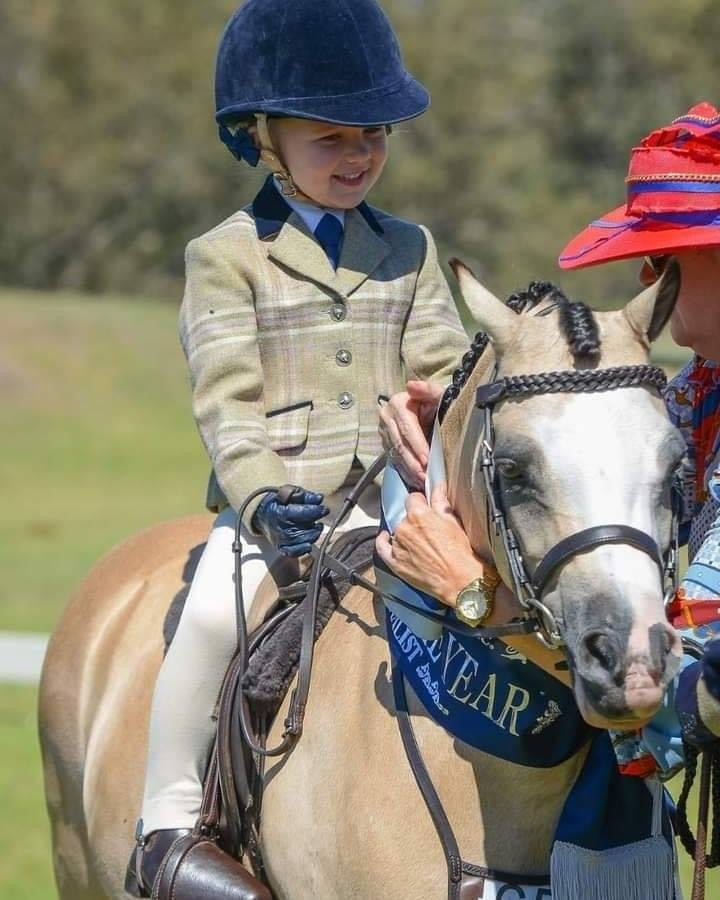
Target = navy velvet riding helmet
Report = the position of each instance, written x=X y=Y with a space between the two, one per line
x=334 y=60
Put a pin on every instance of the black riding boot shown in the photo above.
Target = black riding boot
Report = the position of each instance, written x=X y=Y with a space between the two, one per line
x=175 y=863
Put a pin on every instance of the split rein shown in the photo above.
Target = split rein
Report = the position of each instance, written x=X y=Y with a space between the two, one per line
x=323 y=564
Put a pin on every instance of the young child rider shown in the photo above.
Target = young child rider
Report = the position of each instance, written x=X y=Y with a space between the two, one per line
x=302 y=314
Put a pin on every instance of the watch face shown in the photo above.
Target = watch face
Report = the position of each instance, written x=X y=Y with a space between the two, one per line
x=472 y=604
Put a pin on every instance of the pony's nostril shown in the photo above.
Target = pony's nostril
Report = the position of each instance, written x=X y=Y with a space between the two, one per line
x=664 y=643
x=602 y=649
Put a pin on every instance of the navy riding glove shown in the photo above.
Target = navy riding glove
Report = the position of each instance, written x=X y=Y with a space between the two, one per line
x=291 y=527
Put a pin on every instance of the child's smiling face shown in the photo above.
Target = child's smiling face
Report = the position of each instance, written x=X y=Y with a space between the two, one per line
x=335 y=165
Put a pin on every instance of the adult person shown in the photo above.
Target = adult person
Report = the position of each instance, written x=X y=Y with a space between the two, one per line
x=302 y=313
x=672 y=209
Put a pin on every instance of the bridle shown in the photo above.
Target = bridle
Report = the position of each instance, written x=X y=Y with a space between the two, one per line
x=528 y=587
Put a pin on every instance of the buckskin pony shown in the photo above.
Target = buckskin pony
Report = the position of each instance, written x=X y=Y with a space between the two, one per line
x=342 y=815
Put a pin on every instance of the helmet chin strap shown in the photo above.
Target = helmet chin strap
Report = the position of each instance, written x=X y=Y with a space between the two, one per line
x=272 y=160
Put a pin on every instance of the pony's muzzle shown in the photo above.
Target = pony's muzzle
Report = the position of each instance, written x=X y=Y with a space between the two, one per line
x=622 y=684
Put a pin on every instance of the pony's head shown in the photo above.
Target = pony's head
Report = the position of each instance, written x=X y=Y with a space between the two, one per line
x=583 y=479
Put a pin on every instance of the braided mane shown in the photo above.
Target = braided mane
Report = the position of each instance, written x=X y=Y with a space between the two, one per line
x=576 y=321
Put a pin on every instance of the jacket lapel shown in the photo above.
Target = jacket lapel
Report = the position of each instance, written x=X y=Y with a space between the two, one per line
x=296 y=249
x=294 y=246
x=362 y=252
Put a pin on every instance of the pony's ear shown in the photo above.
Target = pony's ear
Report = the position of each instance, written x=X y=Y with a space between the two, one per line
x=490 y=314
x=649 y=311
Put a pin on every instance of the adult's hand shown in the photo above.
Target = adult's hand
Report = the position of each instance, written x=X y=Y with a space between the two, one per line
x=429 y=549
x=405 y=424
x=291 y=527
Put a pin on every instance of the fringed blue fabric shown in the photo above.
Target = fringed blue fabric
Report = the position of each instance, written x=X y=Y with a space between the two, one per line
x=614 y=838
x=644 y=869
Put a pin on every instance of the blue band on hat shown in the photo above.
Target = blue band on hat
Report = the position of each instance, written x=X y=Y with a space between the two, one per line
x=708 y=217
x=682 y=187
x=698 y=120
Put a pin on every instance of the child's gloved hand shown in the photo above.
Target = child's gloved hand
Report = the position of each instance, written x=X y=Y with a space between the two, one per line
x=291 y=527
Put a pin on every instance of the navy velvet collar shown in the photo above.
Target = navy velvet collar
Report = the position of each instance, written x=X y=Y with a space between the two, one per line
x=270 y=211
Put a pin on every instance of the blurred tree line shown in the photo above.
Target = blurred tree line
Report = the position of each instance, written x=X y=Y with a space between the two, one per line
x=110 y=160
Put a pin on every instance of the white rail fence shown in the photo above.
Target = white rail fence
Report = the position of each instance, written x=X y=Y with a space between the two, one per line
x=21 y=656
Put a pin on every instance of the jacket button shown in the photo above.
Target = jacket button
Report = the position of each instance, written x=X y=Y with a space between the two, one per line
x=343 y=357
x=338 y=312
x=345 y=400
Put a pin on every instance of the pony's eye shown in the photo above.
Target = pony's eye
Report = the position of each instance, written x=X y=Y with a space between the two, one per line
x=509 y=469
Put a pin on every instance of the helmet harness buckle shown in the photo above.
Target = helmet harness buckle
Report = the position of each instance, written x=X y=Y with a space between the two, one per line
x=269 y=156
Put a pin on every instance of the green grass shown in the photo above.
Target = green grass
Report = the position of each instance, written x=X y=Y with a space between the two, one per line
x=665 y=352
x=25 y=866
x=98 y=440
x=686 y=863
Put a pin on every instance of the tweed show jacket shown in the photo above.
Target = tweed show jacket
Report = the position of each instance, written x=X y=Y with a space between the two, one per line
x=291 y=360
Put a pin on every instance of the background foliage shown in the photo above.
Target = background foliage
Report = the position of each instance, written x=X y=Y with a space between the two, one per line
x=111 y=162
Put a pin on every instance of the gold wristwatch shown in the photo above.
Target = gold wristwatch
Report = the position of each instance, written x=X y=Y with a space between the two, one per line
x=474 y=604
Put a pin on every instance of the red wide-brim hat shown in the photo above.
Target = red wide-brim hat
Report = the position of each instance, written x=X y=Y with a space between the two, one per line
x=673 y=196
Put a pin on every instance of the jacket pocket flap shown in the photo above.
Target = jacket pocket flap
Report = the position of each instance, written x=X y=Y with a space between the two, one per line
x=288 y=427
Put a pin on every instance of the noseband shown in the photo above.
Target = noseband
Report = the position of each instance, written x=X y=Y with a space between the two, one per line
x=530 y=587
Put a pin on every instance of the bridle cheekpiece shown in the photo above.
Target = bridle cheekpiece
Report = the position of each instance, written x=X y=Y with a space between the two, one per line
x=530 y=587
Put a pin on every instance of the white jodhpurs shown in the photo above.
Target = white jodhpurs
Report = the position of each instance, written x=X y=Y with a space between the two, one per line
x=182 y=726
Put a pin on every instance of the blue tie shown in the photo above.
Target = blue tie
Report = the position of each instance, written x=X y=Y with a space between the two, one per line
x=329 y=233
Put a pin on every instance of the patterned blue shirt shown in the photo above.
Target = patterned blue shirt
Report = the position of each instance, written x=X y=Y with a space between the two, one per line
x=693 y=402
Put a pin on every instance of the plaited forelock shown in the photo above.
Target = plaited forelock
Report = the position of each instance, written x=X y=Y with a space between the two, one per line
x=577 y=321
x=581 y=329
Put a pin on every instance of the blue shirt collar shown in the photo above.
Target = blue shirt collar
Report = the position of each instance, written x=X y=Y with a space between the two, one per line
x=270 y=211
